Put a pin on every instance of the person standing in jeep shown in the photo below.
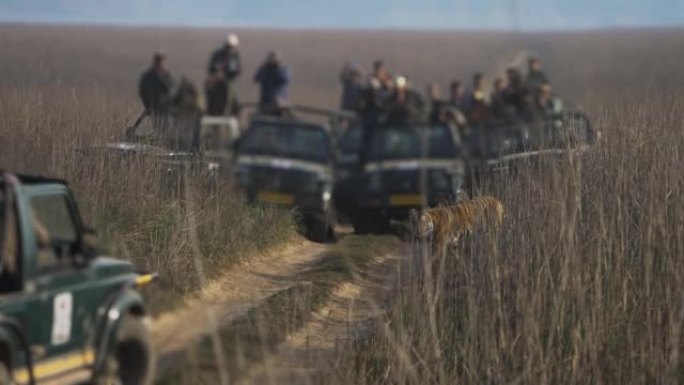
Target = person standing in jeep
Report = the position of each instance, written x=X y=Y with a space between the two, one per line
x=273 y=78
x=227 y=58
x=155 y=87
x=406 y=105
x=536 y=78
x=224 y=68
x=216 y=92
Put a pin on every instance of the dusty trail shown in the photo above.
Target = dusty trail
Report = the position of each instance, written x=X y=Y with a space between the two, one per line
x=242 y=288
x=306 y=354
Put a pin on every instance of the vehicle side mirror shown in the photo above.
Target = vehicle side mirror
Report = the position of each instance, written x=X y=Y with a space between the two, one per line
x=90 y=246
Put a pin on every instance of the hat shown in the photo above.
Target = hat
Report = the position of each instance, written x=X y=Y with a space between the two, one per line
x=401 y=82
x=232 y=40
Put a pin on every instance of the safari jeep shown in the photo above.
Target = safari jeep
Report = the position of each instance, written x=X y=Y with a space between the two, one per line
x=406 y=168
x=290 y=163
x=66 y=315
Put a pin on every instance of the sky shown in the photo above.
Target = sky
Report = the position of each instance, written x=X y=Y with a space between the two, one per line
x=365 y=14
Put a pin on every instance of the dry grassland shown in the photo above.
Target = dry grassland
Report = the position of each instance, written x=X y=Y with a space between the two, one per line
x=586 y=282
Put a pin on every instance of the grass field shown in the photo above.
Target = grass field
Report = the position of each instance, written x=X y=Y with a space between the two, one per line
x=584 y=285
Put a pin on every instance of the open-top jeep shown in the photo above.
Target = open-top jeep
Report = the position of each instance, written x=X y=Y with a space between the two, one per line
x=66 y=315
x=500 y=147
x=406 y=167
x=289 y=162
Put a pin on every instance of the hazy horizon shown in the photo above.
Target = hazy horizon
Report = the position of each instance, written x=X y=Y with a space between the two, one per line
x=247 y=28
x=482 y=15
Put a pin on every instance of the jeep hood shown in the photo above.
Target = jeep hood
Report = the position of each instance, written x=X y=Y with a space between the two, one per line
x=104 y=267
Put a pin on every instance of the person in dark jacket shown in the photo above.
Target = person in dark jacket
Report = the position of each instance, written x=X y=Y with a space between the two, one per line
x=437 y=112
x=183 y=131
x=273 y=78
x=500 y=108
x=352 y=87
x=216 y=92
x=457 y=96
x=369 y=112
x=477 y=100
x=155 y=87
x=515 y=93
x=406 y=105
x=227 y=60
x=536 y=78
x=545 y=105
x=381 y=76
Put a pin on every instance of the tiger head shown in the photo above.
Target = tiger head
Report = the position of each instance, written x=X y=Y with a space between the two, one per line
x=422 y=223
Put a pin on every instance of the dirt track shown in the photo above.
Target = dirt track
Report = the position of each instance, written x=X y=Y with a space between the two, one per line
x=309 y=353
x=304 y=352
x=240 y=289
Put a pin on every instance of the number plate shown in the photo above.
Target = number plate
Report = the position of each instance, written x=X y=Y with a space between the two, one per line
x=405 y=200
x=275 y=197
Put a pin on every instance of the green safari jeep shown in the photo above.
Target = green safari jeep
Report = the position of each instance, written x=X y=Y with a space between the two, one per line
x=67 y=315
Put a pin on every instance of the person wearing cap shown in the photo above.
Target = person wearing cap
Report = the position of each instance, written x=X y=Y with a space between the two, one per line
x=155 y=87
x=227 y=58
x=406 y=106
x=225 y=67
x=273 y=78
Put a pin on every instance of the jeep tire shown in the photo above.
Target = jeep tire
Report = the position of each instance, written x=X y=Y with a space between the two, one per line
x=133 y=360
x=319 y=230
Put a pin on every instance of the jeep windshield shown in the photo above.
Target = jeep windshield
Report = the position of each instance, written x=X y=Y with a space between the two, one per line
x=299 y=141
x=405 y=143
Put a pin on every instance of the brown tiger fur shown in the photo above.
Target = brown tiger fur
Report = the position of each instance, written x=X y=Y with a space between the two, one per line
x=448 y=223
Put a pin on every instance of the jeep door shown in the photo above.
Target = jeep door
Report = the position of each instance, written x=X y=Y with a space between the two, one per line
x=60 y=311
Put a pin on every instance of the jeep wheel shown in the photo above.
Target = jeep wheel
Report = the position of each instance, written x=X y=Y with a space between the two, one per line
x=320 y=230
x=133 y=360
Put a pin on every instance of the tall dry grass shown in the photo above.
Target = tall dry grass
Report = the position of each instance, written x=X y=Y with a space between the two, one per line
x=139 y=209
x=585 y=284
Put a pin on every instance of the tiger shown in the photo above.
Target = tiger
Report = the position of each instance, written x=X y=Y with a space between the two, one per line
x=446 y=224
